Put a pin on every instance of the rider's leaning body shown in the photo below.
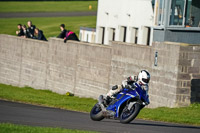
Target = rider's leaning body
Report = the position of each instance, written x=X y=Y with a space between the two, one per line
x=142 y=80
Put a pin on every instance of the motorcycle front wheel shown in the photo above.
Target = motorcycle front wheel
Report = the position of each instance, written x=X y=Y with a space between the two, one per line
x=129 y=115
x=96 y=113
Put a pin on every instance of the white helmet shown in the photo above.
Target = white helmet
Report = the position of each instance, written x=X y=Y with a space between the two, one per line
x=144 y=77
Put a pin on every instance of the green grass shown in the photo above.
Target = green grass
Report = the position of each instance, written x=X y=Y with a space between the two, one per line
x=50 y=6
x=184 y=115
x=13 y=128
x=49 y=25
x=46 y=98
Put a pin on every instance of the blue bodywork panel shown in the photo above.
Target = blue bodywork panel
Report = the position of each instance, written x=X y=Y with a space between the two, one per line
x=125 y=95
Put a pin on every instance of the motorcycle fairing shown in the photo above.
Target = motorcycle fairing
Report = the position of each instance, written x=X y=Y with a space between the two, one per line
x=122 y=97
x=142 y=93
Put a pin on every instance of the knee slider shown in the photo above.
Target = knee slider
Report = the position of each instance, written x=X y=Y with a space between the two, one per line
x=115 y=87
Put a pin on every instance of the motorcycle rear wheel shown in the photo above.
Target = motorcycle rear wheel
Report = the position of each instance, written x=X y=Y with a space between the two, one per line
x=128 y=115
x=96 y=113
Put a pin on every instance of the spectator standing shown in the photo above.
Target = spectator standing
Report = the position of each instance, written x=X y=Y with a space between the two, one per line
x=30 y=29
x=20 y=31
x=40 y=35
x=63 y=32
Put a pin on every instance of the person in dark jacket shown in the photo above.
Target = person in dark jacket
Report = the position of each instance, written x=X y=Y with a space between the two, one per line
x=70 y=36
x=20 y=31
x=63 y=32
x=40 y=35
x=30 y=29
x=26 y=33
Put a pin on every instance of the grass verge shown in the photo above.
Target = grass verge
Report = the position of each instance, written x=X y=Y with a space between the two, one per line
x=13 y=128
x=46 y=98
x=48 y=6
x=49 y=25
x=183 y=115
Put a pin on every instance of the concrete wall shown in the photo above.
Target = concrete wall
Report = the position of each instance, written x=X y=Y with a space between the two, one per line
x=23 y=61
x=80 y=68
x=89 y=70
x=131 y=58
x=164 y=75
x=188 y=86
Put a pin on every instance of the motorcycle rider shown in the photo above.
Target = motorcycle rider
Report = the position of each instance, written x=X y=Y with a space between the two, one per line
x=142 y=79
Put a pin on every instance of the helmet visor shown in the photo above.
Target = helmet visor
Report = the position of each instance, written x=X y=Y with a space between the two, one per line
x=145 y=80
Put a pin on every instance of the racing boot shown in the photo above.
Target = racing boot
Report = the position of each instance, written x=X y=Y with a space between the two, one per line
x=101 y=103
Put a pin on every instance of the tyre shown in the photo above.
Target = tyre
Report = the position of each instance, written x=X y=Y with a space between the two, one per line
x=128 y=115
x=96 y=113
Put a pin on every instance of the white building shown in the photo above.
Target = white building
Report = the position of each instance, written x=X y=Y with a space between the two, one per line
x=145 y=21
x=124 y=20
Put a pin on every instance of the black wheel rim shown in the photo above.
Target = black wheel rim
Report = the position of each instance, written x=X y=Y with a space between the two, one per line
x=127 y=113
x=96 y=109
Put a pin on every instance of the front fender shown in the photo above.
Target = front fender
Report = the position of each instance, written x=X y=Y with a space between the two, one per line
x=122 y=103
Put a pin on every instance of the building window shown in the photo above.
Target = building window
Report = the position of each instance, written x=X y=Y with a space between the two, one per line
x=185 y=13
x=112 y=34
x=177 y=13
x=122 y=34
x=134 y=35
x=101 y=35
x=159 y=12
x=193 y=13
x=188 y=19
x=148 y=35
x=87 y=38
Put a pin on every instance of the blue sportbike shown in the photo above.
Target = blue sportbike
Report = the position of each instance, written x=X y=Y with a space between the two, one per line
x=125 y=106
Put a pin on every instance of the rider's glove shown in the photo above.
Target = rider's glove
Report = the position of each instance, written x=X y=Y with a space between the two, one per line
x=131 y=78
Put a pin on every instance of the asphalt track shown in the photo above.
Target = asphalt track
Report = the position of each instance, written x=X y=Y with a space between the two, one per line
x=27 y=114
x=46 y=14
